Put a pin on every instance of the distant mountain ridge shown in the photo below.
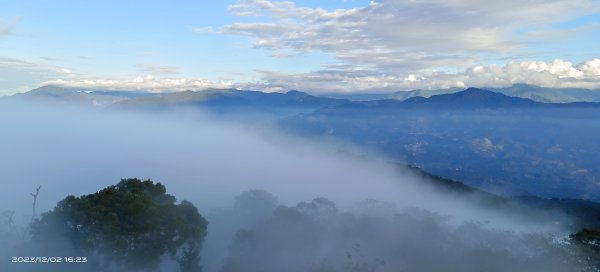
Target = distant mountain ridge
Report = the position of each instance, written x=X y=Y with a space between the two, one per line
x=403 y=95
x=85 y=96
x=535 y=93
x=302 y=102
x=234 y=101
x=471 y=98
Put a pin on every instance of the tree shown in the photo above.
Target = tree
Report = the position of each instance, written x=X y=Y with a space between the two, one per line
x=35 y=198
x=588 y=239
x=127 y=226
x=254 y=206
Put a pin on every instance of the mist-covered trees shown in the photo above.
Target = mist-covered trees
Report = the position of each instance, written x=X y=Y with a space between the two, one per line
x=135 y=225
x=254 y=206
x=375 y=236
x=590 y=239
x=126 y=227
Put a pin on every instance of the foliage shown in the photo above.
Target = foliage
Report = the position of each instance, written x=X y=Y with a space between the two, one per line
x=588 y=236
x=590 y=239
x=254 y=206
x=130 y=225
x=317 y=236
x=254 y=200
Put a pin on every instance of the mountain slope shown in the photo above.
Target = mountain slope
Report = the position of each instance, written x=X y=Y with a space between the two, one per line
x=472 y=97
x=583 y=213
x=507 y=145
x=403 y=95
x=237 y=103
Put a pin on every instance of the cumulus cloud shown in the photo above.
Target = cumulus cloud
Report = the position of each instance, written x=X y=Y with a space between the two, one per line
x=149 y=83
x=557 y=73
x=591 y=68
x=403 y=35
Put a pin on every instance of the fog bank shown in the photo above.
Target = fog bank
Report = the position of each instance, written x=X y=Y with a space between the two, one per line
x=74 y=151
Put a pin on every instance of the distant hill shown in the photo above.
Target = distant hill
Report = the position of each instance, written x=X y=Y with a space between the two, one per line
x=583 y=213
x=469 y=99
x=357 y=96
x=550 y=95
x=472 y=97
x=233 y=101
x=403 y=95
x=230 y=101
x=83 y=96
x=535 y=93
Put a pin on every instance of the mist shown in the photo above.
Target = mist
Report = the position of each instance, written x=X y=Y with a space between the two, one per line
x=334 y=207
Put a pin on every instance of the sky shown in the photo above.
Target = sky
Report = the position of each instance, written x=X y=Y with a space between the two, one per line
x=317 y=46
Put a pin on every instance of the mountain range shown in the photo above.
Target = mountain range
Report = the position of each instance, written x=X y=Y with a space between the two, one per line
x=535 y=93
x=106 y=97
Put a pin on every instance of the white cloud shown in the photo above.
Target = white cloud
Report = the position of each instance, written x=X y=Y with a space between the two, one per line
x=149 y=83
x=399 y=36
x=558 y=73
x=591 y=68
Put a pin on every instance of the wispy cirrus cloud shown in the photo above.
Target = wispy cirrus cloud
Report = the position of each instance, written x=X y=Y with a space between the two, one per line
x=202 y=29
x=7 y=25
x=36 y=68
x=18 y=75
x=155 y=69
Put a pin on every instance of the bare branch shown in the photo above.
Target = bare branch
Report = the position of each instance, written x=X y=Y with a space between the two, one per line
x=35 y=197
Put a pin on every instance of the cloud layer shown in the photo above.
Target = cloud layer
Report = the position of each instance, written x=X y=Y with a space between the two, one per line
x=558 y=73
x=148 y=83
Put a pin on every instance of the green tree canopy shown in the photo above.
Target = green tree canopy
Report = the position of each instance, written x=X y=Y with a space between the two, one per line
x=130 y=226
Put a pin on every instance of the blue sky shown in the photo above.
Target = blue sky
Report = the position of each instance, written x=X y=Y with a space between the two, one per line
x=313 y=45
